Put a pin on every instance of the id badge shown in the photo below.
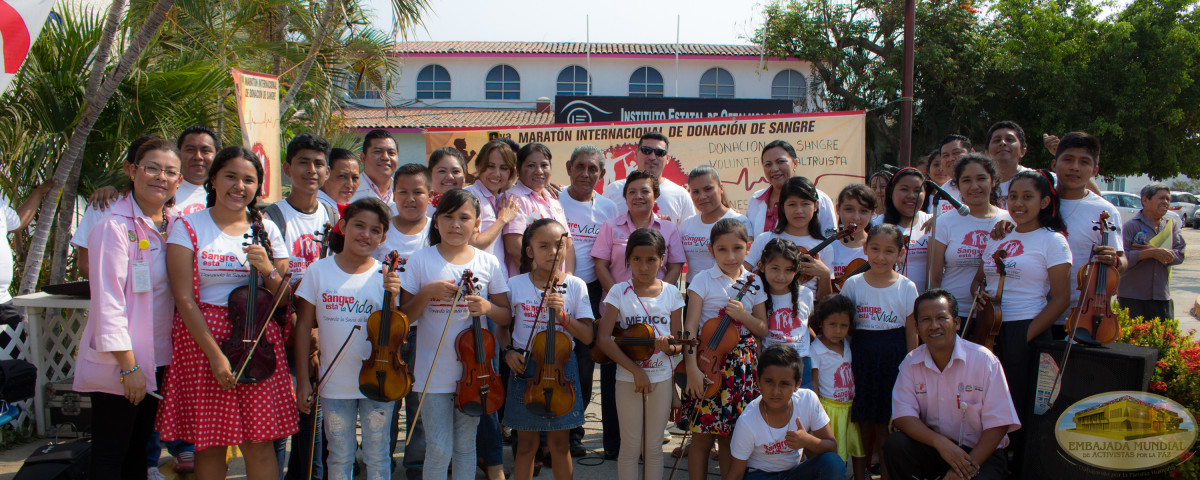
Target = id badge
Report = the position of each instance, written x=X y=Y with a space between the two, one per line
x=141 y=277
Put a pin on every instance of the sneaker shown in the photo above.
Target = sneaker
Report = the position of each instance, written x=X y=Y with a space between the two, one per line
x=185 y=462
x=152 y=473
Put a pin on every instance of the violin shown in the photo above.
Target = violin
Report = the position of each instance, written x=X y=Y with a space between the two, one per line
x=323 y=236
x=548 y=394
x=855 y=267
x=846 y=231
x=637 y=343
x=988 y=316
x=384 y=376
x=250 y=308
x=1092 y=321
x=479 y=391
x=717 y=339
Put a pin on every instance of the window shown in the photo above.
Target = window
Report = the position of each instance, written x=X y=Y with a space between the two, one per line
x=790 y=85
x=574 y=80
x=433 y=82
x=716 y=83
x=503 y=83
x=646 y=82
x=361 y=89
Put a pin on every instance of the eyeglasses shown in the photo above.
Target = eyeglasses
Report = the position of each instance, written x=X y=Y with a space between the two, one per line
x=155 y=170
x=658 y=152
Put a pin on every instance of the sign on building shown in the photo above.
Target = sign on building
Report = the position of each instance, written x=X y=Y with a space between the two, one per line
x=574 y=109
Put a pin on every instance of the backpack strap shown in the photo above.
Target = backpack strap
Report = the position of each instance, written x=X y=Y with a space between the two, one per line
x=276 y=215
x=331 y=213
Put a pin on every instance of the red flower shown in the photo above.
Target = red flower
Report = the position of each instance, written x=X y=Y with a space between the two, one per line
x=1158 y=386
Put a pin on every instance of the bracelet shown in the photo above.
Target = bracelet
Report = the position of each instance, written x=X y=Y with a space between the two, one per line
x=125 y=373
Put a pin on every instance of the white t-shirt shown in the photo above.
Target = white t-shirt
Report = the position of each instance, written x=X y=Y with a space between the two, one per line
x=584 y=220
x=674 y=201
x=965 y=238
x=220 y=259
x=190 y=198
x=696 y=238
x=1080 y=217
x=404 y=245
x=654 y=311
x=524 y=297
x=90 y=218
x=716 y=290
x=837 y=256
x=762 y=446
x=760 y=242
x=915 y=262
x=1002 y=189
x=341 y=301
x=1030 y=256
x=301 y=238
x=880 y=308
x=785 y=327
x=427 y=265
x=835 y=379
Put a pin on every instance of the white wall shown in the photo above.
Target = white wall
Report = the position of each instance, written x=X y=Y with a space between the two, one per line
x=610 y=76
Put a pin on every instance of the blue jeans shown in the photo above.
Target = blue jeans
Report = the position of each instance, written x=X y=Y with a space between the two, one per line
x=449 y=435
x=174 y=447
x=340 y=417
x=806 y=380
x=826 y=466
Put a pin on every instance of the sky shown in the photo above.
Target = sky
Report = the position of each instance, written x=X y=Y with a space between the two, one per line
x=615 y=21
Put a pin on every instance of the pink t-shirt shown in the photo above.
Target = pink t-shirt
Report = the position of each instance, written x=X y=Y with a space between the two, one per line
x=530 y=207
x=960 y=402
x=614 y=235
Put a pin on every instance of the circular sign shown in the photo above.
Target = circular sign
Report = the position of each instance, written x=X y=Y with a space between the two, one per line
x=1125 y=431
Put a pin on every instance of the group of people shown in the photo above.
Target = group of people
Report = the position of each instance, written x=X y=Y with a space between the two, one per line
x=796 y=283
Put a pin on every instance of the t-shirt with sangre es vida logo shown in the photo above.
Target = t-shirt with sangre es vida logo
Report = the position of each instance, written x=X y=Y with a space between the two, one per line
x=1027 y=269
x=342 y=300
x=880 y=308
x=965 y=238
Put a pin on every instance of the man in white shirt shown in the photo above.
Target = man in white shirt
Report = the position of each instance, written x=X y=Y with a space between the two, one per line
x=1006 y=145
x=586 y=212
x=673 y=202
x=950 y=150
x=380 y=157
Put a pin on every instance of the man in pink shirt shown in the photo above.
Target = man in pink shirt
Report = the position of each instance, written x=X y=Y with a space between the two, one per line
x=950 y=406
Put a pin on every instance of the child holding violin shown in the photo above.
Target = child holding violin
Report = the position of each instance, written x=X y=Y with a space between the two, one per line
x=884 y=332
x=337 y=295
x=529 y=409
x=855 y=206
x=713 y=294
x=788 y=302
x=208 y=257
x=1037 y=267
x=643 y=388
x=798 y=222
x=430 y=283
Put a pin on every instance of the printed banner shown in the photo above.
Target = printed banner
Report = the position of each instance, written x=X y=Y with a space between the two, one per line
x=831 y=147
x=21 y=22
x=258 y=109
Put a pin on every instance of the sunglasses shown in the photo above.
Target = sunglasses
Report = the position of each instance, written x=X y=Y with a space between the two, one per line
x=658 y=152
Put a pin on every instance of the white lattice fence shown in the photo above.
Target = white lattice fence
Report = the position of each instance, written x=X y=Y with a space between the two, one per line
x=54 y=325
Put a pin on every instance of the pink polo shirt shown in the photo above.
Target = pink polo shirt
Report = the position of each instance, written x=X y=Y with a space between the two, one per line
x=962 y=401
x=487 y=217
x=530 y=207
x=614 y=235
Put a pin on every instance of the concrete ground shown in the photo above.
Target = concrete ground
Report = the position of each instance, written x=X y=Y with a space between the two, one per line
x=1185 y=288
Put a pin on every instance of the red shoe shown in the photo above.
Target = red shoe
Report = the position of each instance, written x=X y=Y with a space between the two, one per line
x=185 y=462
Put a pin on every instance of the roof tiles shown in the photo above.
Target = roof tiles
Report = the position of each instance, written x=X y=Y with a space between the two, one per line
x=577 y=48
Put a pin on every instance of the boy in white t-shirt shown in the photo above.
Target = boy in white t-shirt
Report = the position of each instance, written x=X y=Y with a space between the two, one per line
x=339 y=296
x=775 y=430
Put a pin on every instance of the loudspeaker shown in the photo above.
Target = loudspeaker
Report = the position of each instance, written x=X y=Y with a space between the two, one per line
x=1090 y=371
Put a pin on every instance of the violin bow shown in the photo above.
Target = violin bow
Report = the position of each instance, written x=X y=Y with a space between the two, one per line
x=458 y=294
x=315 y=399
x=549 y=284
x=285 y=282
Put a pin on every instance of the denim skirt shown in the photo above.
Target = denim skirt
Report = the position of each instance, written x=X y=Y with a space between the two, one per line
x=518 y=417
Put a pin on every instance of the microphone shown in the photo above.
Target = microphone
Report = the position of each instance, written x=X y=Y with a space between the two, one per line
x=958 y=206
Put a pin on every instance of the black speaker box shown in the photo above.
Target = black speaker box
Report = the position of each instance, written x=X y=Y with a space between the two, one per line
x=1090 y=371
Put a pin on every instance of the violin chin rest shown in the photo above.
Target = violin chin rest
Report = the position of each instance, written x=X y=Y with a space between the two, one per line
x=1084 y=337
